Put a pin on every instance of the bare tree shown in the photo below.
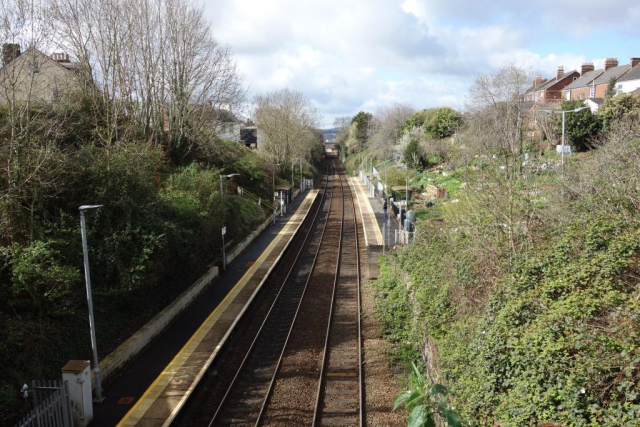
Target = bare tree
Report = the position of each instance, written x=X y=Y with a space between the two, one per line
x=387 y=127
x=287 y=120
x=28 y=132
x=154 y=61
x=503 y=188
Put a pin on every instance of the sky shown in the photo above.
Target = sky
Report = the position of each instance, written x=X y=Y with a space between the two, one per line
x=347 y=56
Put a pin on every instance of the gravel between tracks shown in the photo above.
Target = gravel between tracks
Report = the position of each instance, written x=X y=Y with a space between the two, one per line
x=294 y=393
x=205 y=400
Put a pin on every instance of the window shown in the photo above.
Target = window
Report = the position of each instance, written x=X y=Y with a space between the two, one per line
x=34 y=66
x=575 y=78
x=568 y=96
x=582 y=96
x=619 y=90
x=592 y=92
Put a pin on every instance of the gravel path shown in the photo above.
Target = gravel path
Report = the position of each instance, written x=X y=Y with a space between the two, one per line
x=381 y=382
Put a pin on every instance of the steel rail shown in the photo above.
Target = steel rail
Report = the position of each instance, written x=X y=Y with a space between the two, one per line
x=275 y=373
x=322 y=380
x=293 y=265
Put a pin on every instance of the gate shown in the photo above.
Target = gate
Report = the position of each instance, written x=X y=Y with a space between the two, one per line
x=51 y=405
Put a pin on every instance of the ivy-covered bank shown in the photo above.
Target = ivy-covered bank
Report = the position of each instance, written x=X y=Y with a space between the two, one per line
x=549 y=332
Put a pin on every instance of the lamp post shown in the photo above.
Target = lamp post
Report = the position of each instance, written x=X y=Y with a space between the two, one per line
x=92 y=324
x=563 y=112
x=224 y=227
x=273 y=188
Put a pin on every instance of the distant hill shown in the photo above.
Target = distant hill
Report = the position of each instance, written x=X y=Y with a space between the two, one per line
x=330 y=134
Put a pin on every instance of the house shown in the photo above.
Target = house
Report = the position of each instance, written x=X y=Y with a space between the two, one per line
x=582 y=88
x=226 y=126
x=612 y=72
x=594 y=83
x=550 y=90
x=630 y=81
x=35 y=77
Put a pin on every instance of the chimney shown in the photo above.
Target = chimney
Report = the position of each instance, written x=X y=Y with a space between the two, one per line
x=610 y=63
x=586 y=67
x=560 y=72
x=634 y=62
x=538 y=81
x=10 y=51
x=60 y=57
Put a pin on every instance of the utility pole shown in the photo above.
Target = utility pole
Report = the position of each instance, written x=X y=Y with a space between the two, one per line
x=224 y=227
x=92 y=322
x=563 y=112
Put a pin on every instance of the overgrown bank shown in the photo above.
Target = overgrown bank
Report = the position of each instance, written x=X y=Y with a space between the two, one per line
x=534 y=316
x=157 y=232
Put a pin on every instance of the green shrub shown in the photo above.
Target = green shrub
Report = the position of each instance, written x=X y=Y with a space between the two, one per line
x=40 y=281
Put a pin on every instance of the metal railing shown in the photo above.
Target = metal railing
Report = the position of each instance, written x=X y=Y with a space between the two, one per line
x=52 y=407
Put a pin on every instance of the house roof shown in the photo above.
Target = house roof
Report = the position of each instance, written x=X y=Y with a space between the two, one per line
x=597 y=101
x=536 y=88
x=526 y=105
x=546 y=85
x=632 y=74
x=585 y=80
x=612 y=73
x=69 y=66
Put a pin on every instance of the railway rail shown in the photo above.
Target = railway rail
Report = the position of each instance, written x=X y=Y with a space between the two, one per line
x=245 y=399
x=339 y=401
x=340 y=390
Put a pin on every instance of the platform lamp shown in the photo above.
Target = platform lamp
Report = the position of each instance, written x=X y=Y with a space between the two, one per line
x=87 y=277
x=224 y=227
x=273 y=188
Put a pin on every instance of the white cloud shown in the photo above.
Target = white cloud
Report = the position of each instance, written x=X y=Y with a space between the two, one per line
x=347 y=55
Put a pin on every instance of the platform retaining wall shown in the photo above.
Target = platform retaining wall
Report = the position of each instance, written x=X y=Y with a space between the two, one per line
x=115 y=361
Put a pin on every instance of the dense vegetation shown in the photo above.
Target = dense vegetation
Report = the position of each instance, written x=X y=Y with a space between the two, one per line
x=530 y=315
x=158 y=230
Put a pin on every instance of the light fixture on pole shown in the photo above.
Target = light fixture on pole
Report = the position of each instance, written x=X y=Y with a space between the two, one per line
x=273 y=188
x=224 y=227
x=92 y=324
x=563 y=112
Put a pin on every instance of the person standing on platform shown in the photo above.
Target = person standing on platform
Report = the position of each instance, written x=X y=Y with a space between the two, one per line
x=384 y=209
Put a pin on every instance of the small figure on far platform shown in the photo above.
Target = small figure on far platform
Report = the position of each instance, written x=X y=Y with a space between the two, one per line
x=384 y=208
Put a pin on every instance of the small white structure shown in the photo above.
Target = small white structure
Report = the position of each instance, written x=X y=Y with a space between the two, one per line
x=77 y=375
x=594 y=104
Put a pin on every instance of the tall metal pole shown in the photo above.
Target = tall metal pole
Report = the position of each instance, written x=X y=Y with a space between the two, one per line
x=92 y=326
x=273 y=191
x=224 y=254
x=301 y=187
x=562 y=163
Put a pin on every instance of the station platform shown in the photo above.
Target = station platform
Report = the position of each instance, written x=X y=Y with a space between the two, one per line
x=178 y=369
x=372 y=217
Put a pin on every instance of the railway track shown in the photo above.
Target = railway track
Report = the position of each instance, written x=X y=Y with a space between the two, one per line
x=246 y=397
x=340 y=390
x=328 y=259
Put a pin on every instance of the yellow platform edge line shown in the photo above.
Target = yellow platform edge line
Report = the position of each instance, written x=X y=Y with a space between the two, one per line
x=234 y=291
x=377 y=234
